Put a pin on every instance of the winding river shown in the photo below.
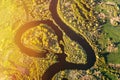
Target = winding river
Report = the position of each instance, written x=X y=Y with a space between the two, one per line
x=62 y=64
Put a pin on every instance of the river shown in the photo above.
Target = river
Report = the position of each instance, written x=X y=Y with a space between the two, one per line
x=62 y=64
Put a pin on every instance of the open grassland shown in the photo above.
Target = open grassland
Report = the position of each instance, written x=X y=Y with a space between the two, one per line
x=114 y=33
x=109 y=10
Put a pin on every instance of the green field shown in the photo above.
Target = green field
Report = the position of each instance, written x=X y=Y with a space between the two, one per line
x=112 y=32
